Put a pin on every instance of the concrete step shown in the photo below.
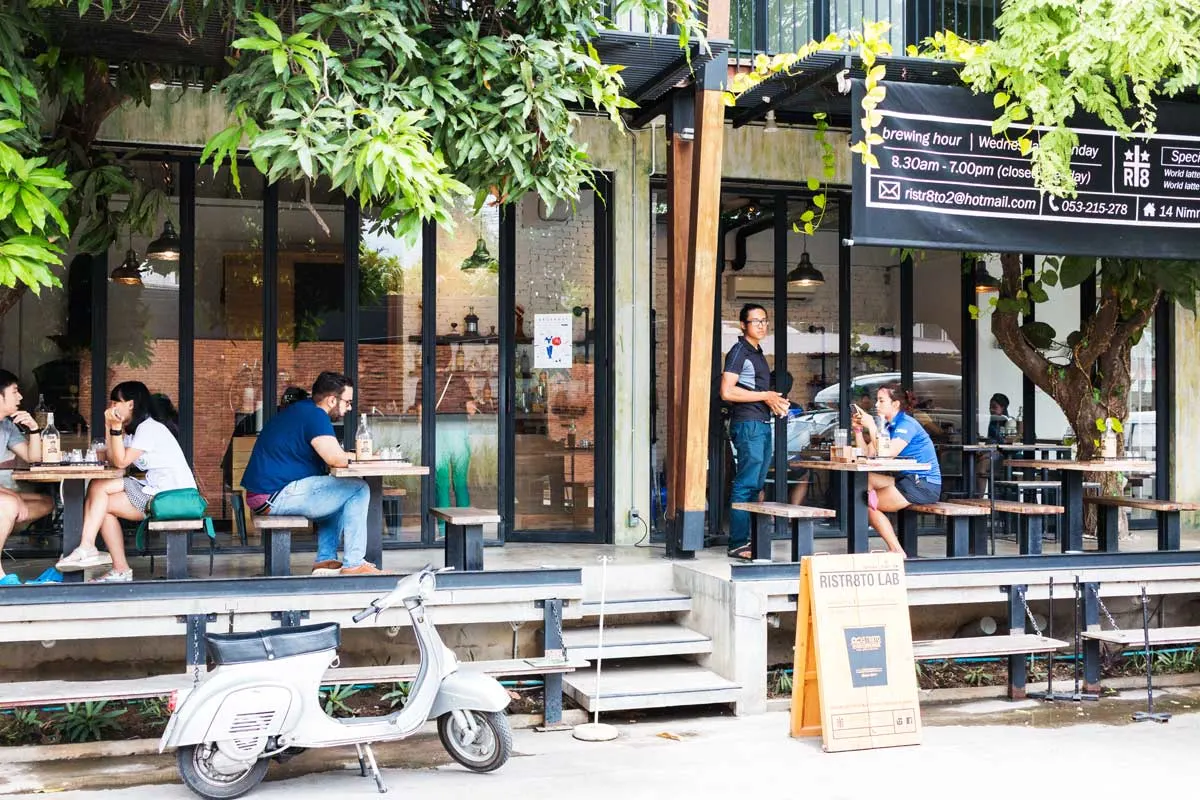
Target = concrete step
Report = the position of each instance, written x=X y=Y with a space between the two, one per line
x=636 y=641
x=664 y=602
x=659 y=685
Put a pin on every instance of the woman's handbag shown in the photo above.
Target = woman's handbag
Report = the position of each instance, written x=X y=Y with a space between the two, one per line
x=175 y=504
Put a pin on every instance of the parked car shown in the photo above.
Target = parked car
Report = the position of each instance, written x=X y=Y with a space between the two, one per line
x=934 y=390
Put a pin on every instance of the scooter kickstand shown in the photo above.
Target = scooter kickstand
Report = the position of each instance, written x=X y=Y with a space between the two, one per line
x=374 y=768
x=362 y=761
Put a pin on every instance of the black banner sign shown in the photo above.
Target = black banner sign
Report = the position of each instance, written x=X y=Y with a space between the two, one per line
x=945 y=181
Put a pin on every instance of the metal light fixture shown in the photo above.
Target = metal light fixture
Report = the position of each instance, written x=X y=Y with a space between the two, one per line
x=130 y=271
x=770 y=127
x=481 y=259
x=984 y=282
x=166 y=247
x=805 y=274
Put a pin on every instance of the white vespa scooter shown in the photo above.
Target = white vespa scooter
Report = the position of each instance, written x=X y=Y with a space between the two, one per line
x=262 y=700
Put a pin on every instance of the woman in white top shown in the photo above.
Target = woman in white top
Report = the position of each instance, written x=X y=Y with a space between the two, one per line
x=137 y=436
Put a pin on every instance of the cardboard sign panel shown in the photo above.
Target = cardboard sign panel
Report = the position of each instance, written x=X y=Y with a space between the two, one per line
x=854 y=678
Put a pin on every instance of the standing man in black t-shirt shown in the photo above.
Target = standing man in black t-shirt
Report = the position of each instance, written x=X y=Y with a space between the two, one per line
x=745 y=383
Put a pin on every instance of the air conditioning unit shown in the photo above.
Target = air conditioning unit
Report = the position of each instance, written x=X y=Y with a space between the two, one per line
x=762 y=287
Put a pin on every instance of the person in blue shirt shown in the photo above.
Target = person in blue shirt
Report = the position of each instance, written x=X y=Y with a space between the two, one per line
x=288 y=475
x=908 y=440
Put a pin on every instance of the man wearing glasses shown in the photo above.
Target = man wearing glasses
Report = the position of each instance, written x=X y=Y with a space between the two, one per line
x=288 y=475
x=745 y=383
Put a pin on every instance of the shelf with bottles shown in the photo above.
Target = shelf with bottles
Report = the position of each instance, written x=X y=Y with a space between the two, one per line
x=458 y=338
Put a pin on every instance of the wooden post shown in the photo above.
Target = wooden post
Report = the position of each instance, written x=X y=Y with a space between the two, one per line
x=696 y=222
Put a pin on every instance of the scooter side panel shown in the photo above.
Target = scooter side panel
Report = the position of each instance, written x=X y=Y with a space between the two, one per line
x=467 y=690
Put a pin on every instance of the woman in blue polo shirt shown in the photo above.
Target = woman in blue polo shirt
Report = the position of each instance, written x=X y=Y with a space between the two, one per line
x=907 y=440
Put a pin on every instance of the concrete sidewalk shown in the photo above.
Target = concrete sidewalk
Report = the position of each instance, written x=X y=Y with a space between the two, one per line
x=753 y=756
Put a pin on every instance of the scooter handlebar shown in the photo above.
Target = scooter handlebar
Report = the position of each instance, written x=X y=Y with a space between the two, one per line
x=399 y=594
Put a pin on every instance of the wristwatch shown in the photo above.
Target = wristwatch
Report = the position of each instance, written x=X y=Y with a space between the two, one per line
x=111 y=432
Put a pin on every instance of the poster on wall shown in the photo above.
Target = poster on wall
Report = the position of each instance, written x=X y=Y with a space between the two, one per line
x=551 y=341
x=945 y=181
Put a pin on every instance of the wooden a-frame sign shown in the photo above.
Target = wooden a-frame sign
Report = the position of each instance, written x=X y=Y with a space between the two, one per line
x=853 y=678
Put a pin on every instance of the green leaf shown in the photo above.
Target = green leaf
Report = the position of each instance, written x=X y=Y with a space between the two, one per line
x=813 y=184
x=1075 y=270
x=1039 y=334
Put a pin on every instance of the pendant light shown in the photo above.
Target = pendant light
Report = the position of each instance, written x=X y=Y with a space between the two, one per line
x=984 y=282
x=166 y=247
x=805 y=274
x=481 y=259
x=130 y=271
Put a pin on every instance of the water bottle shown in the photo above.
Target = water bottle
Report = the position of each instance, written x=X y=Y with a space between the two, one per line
x=363 y=446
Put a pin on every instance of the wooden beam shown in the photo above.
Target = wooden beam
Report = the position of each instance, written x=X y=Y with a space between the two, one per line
x=679 y=200
x=697 y=347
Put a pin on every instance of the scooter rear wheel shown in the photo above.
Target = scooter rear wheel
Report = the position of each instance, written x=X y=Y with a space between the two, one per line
x=487 y=749
x=203 y=771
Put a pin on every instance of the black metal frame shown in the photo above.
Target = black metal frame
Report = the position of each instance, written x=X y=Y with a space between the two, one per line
x=1010 y=563
x=603 y=519
x=301 y=587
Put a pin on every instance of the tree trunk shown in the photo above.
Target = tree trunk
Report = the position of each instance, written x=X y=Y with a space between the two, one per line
x=1093 y=384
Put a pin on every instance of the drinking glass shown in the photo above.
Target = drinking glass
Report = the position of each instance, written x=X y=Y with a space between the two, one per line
x=841 y=437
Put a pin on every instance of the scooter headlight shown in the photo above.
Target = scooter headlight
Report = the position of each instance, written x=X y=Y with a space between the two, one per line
x=428 y=586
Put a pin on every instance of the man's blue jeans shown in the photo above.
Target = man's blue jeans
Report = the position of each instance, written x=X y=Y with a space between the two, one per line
x=338 y=509
x=752 y=439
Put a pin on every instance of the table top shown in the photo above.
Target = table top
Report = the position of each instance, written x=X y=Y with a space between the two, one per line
x=866 y=465
x=376 y=469
x=1024 y=448
x=1097 y=465
x=67 y=473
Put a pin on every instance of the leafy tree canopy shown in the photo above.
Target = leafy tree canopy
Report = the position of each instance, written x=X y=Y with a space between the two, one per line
x=405 y=105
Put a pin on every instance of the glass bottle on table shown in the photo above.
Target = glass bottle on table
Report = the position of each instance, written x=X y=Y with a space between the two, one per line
x=51 y=442
x=40 y=411
x=363 y=446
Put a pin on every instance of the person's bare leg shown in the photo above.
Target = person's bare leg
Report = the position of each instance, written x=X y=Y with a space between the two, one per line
x=36 y=505
x=119 y=508
x=889 y=499
x=798 y=492
x=10 y=512
x=95 y=508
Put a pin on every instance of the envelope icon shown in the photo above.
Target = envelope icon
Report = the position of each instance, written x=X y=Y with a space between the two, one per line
x=889 y=190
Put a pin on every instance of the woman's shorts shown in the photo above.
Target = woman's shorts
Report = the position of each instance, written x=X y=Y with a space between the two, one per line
x=136 y=493
x=918 y=490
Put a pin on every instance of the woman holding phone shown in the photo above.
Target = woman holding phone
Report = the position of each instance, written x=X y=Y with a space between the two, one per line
x=907 y=440
x=138 y=436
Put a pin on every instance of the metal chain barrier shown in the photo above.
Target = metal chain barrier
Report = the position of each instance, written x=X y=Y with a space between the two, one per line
x=1032 y=621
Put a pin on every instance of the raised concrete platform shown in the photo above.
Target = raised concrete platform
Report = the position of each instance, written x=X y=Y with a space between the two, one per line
x=658 y=685
x=636 y=641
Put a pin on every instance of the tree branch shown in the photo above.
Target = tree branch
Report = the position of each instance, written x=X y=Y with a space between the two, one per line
x=1006 y=327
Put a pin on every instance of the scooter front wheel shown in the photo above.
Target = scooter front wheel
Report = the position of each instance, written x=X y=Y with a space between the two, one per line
x=213 y=776
x=482 y=746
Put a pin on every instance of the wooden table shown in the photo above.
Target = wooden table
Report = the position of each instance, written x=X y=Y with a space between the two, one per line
x=853 y=503
x=373 y=472
x=1071 y=475
x=464 y=535
x=74 y=481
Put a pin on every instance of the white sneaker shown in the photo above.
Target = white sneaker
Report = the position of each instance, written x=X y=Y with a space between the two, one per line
x=83 y=558
x=114 y=576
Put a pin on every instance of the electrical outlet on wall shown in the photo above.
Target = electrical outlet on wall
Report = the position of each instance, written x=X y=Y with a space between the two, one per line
x=633 y=518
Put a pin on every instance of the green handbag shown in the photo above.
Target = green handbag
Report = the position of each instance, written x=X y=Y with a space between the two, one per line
x=175 y=504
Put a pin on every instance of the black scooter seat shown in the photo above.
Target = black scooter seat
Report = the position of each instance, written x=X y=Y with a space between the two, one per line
x=246 y=648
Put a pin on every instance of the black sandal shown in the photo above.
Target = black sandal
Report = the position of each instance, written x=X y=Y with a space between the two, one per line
x=742 y=553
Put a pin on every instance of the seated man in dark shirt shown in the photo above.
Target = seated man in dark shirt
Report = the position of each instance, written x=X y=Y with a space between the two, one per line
x=288 y=474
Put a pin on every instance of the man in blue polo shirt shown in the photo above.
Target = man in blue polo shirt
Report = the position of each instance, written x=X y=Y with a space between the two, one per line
x=288 y=474
x=744 y=385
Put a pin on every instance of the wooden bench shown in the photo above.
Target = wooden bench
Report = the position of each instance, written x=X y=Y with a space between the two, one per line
x=1167 y=512
x=276 y=533
x=1032 y=520
x=464 y=535
x=801 y=523
x=959 y=541
x=1014 y=645
x=179 y=538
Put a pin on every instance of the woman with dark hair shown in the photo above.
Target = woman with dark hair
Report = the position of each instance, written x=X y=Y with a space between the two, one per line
x=139 y=434
x=907 y=440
